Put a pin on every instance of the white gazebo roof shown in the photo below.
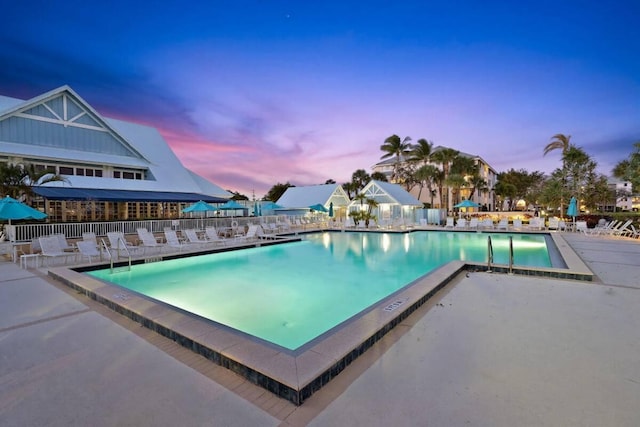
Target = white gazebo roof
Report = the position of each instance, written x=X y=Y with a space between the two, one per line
x=303 y=197
x=385 y=192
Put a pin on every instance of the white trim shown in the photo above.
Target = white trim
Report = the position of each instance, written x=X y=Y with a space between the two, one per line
x=64 y=123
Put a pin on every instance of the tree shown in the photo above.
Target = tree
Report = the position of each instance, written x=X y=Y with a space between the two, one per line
x=444 y=157
x=350 y=188
x=237 y=195
x=329 y=181
x=427 y=175
x=456 y=182
x=421 y=152
x=379 y=176
x=394 y=146
x=360 y=178
x=277 y=191
x=19 y=180
x=559 y=141
x=629 y=169
x=526 y=184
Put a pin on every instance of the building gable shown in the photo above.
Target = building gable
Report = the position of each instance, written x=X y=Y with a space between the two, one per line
x=61 y=119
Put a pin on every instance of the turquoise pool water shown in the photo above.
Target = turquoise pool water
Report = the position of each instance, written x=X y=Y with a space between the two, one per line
x=289 y=294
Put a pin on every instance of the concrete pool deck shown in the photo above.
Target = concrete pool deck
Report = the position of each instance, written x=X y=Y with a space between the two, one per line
x=489 y=349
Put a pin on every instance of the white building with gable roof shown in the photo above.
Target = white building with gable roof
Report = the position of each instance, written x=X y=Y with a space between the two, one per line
x=113 y=169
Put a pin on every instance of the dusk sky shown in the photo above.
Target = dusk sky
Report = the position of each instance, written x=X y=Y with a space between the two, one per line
x=251 y=93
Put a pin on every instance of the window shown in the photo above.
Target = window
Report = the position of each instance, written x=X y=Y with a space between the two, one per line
x=80 y=171
x=89 y=172
x=98 y=173
x=65 y=170
x=127 y=175
x=116 y=174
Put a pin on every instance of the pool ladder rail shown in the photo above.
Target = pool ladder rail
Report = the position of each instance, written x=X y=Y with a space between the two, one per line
x=121 y=245
x=490 y=254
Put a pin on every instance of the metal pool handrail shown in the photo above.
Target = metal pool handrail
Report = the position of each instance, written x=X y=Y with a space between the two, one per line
x=124 y=246
x=489 y=254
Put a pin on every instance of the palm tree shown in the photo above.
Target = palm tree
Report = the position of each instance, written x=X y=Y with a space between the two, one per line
x=379 y=176
x=560 y=142
x=426 y=175
x=394 y=146
x=19 y=180
x=421 y=152
x=444 y=157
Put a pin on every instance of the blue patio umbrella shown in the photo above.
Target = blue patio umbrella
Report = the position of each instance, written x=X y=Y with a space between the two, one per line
x=572 y=209
x=256 y=209
x=10 y=209
x=318 y=207
x=331 y=210
x=467 y=204
x=201 y=207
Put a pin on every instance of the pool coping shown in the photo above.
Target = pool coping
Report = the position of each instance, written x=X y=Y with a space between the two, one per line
x=294 y=376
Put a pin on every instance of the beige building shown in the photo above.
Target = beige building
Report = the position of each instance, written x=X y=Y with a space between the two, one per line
x=485 y=198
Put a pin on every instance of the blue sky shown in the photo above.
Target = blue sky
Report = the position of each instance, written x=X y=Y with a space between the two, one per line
x=250 y=93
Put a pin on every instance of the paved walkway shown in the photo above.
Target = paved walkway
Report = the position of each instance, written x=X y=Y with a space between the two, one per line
x=489 y=350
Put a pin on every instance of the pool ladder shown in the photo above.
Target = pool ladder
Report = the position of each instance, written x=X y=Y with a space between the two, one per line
x=490 y=254
x=121 y=245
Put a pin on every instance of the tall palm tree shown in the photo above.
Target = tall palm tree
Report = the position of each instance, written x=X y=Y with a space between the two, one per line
x=394 y=146
x=426 y=175
x=421 y=152
x=562 y=142
x=444 y=157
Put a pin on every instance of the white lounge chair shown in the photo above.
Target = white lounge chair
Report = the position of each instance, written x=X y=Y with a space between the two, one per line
x=487 y=223
x=450 y=223
x=194 y=239
x=461 y=224
x=251 y=234
x=553 y=223
x=149 y=241
x=51 y=250
x=503 y=224
x=473 y=223
x=172 y=240
x=517 y=224
x=88 y=249
x=213 y=236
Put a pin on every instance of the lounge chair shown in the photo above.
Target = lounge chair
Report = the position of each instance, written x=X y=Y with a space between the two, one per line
x=553 y=223
x=63 y=243
x=581 y=227
x=450 y=223
x=88 y=249
x=487 y=223
x=536 y=224
x=51 y=250
x=621 y=230
x=213 y=236
x=90 y=236
x=193 y=238
x=603 y=229
x=251 y=234
x=503 y=224
x=120 y=248
x=473 y=223
x=172 y=240
x=148 y=240
x=517 y=224
x=461 y=224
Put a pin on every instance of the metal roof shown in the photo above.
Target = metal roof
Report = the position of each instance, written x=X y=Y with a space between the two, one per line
x=102 y=195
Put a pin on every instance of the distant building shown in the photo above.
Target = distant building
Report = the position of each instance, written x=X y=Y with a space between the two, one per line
x=297 y=200
x=484 y=198
x=625 y=199
x=115 y=170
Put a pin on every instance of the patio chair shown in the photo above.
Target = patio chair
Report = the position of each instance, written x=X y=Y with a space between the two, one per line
x=51 y=250
x=473 y=223
x=517 y=224
x=251 y=234
x=63 y=243
x=503 y=224
x=450 y=223
x=194 y=239
x=148 y=240
x=553 y=223
x=461 y=224
x=119 y=244
x=172 y=239
x=487 y=223
x=90 y=236
x=87 y=249
x=213 y=236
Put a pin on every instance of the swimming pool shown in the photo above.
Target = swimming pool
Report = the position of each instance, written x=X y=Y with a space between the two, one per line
x=293 y=293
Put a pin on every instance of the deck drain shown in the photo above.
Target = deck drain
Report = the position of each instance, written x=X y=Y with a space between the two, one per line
x=394 y=305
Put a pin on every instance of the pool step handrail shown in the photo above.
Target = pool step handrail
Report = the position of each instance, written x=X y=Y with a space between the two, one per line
x=510 y=254
x=489 y=254
x=119 y=241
